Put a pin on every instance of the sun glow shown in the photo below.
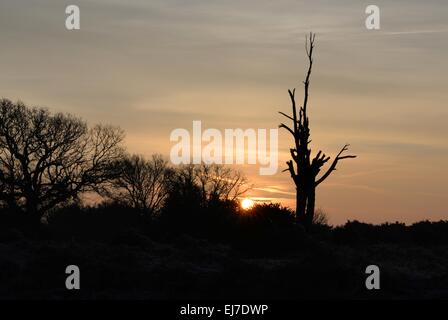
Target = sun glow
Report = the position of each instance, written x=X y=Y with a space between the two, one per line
x=247 y=204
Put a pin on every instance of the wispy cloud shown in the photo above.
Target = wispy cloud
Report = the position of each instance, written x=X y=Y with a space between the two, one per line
x=411 y=32
x=274 y=190
x=153 y=66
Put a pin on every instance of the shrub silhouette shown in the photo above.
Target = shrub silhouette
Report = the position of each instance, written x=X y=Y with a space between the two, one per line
x=202 y=199
x=423 y=233
x=100 y=222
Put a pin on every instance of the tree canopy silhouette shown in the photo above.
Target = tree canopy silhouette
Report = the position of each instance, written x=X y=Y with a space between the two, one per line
x=303 y=168
x=47 y=159
x=208 y=183
x=141 y=184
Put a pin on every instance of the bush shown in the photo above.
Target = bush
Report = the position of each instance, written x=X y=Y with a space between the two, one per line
x=101 y=222
x=424 y=232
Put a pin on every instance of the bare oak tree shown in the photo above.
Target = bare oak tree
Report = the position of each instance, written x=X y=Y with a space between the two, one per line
x=218 y=182
x=303 y=168
x=142 y=184
x=209 y=182
x=46 y=159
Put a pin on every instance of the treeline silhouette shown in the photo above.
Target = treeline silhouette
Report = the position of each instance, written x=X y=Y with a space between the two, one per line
x=162 y=231
x=49 y=162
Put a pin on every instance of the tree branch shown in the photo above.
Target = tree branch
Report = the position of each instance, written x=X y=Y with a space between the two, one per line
x=284 y=114
x=282 y=125
x=333 y=165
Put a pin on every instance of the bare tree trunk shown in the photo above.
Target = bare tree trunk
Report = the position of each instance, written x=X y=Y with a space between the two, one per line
x=32 y=209
x=310 y=206
x=300 y=205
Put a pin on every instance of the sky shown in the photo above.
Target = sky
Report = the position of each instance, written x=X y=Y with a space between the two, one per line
x=151 y=66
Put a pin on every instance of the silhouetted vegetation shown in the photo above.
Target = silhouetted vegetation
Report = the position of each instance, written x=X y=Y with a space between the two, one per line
x=303 y=168
x=218 y=251
x=47 y=160
x=161 y=231
x=141 y=184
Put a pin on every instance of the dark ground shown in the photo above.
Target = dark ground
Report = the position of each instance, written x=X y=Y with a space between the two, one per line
x=255 y=262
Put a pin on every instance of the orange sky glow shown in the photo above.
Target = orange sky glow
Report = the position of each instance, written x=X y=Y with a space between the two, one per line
x=151 y=67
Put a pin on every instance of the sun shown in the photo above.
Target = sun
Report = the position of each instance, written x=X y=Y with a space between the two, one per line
x=247 y=203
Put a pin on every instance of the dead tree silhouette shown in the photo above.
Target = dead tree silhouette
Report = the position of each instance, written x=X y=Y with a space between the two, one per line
x=303 y=168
